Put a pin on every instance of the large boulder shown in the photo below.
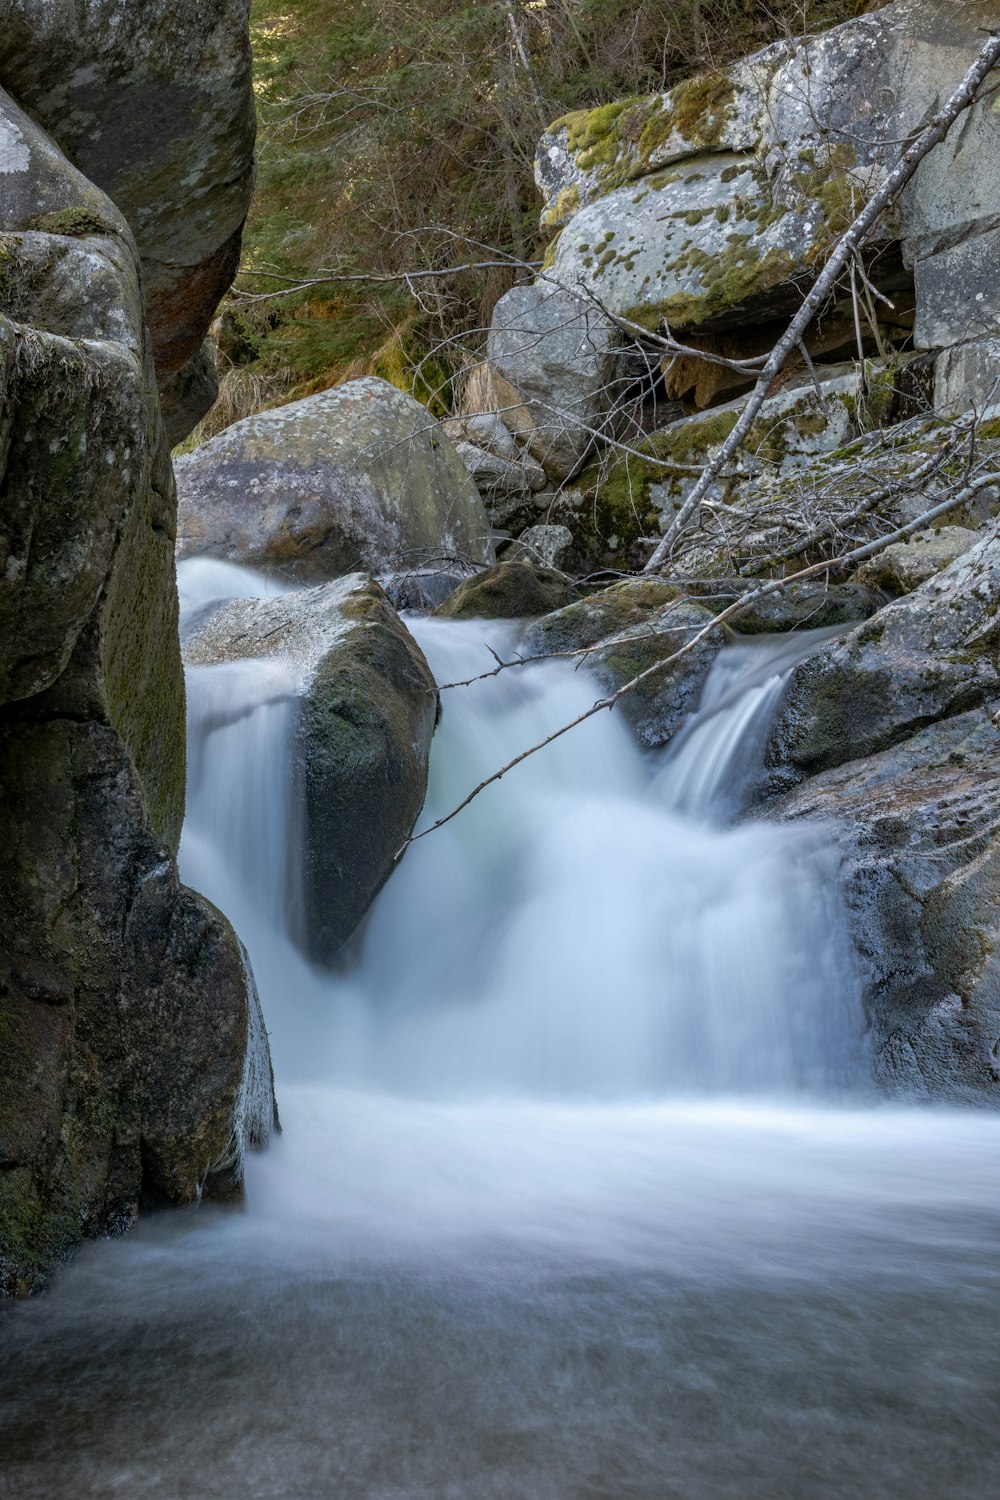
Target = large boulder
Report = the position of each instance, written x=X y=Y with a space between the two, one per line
x=917 y=833
x=704 y=211
x=357 y=477
x=367 y=710
x=925 y=657
x=133 y=1059
x=626 y=630
x=154 y=104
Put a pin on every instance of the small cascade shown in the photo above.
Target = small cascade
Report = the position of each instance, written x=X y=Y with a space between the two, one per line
x=589 y=928
x=712 y=763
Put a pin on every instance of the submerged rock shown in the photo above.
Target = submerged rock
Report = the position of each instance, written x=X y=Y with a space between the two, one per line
x=358 y=476
x=916 y=828
x=367 y=710
x=632 y=626
x=508 y=591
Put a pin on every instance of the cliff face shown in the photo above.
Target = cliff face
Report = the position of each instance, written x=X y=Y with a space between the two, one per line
x=128 y=1022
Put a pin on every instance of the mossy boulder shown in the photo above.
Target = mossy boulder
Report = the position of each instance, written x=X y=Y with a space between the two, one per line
x=367 y=710
x=807 y=606
x=355 y=477
x=915 y=829
x=925 y=657
x=509 y=591
x=626 y=500
x=630 y=627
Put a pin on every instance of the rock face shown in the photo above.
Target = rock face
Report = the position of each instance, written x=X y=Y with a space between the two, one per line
x=133 y=1059
x=916 y=826
x=368 y=706
x=554 y=349
x=705 y=211
x=925 y=657
x=356 y=477
x=154 y=105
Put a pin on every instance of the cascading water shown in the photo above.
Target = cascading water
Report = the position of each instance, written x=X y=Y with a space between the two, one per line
x=580 y=1194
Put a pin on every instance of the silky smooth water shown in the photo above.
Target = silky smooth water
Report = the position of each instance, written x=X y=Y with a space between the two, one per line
x=581 y=1190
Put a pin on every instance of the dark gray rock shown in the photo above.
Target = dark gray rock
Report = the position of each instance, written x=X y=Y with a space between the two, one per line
x=133 y=1062
x=632 y=626
x=925 y=657
x=188 y=395
x=917 y=829
x=133 y=1058
x=154 y=105
x=368 y=706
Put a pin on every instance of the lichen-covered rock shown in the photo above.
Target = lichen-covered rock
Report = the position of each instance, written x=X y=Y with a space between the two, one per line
x=509 y=591
x=925 y=657
x=632 y=626
x=841 y=100
x=367 y=710
x=356 y=477
x=707 y=209
x=916 y=827
x=706 y=244
x=904 y=566
x=154 y=104
x=129 y=1030
x=555 y=351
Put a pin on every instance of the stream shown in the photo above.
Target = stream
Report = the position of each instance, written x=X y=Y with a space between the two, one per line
x=582 y=1191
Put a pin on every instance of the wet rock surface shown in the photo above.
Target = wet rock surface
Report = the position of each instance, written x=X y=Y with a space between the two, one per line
x=367 y=710
x=916 y=826
x=632 y=626
x=133 y=1059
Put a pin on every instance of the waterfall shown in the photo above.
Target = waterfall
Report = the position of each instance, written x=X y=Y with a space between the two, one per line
x=573 y=1196
x=588 y=928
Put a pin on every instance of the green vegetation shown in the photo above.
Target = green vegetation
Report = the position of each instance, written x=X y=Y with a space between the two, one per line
x=397 y=138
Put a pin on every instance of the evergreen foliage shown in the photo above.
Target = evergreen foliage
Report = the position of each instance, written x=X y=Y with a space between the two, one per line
x=399 y=135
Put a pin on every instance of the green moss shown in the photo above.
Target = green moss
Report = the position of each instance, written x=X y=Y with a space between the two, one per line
x=79 y=222
x=728 y=280
x=811 y=423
